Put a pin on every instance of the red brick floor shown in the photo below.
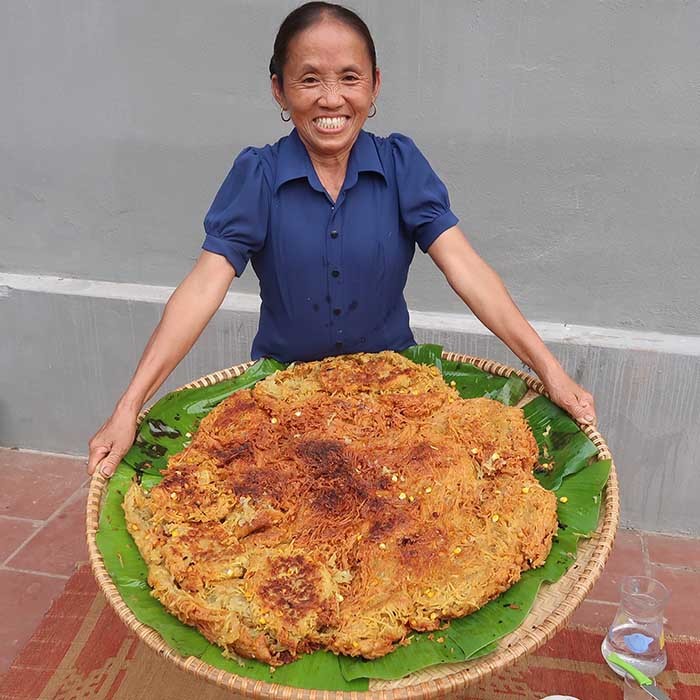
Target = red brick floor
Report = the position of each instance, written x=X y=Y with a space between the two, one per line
x=42 y=538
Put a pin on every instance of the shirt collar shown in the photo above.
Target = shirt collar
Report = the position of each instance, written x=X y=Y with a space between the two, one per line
x=294 y=162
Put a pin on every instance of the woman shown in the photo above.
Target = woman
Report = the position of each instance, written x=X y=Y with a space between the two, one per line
x=329 y=217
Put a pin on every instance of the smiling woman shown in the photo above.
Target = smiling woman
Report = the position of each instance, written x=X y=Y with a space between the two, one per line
x=329 y=217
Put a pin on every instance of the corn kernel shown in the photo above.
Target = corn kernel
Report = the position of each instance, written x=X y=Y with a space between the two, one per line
x=526 y=489
x=394 y=477
x=495 y=517
x=355 y=645
x=188 y=435
x=563 y=499
x=402 y=496
x=359 y=537
x=262 y=620
x=474 y=450
x=382 y=545
x=297 y=413
x=457 y=550
x=495 y=456
x=428 y=489
x=433 y=615
x=273 y=420
x=173 y=495
x=411 y=499
x=297 y=435
x=453 y=383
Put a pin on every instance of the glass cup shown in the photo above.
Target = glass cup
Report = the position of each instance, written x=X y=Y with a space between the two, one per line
x=637 y=632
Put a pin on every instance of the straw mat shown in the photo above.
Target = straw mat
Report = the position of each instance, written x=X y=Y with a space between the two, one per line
x=82 y=650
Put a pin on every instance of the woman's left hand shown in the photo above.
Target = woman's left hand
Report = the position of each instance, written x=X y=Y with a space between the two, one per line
x=574 y=399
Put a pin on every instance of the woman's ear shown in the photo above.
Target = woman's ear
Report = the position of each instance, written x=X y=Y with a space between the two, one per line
x=377 y=83
x=277 y=92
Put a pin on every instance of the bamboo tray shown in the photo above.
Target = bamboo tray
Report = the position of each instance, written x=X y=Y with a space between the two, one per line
x=554 y=604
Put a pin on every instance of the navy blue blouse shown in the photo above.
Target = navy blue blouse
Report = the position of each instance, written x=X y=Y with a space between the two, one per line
x=332 y=274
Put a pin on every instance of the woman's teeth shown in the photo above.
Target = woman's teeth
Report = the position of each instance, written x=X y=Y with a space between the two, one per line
x=330 y=122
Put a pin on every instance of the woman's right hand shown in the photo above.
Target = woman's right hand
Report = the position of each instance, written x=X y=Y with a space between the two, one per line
x=112 y=441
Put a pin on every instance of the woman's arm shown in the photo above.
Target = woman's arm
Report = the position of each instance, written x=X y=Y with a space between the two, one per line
x=480 y=287
x=186 y=314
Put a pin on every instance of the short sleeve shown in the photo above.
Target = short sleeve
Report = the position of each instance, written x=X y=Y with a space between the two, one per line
x=236 y=223
x=423 y=199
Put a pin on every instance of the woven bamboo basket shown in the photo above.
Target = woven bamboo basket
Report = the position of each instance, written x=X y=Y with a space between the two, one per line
x=553 y=606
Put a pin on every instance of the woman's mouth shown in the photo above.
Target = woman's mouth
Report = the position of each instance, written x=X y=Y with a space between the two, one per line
x=330 y=124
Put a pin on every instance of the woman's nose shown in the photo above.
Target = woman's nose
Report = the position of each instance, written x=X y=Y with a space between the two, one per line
x=332 y=98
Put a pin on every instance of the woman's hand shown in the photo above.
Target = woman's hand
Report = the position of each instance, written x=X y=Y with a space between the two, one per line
x=574 y=399
x=112 y=441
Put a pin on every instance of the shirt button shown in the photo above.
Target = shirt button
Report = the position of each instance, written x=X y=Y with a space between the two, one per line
x=337 y=312
x=338 y=345
x=336 y=273
x=334 y=234
x=363 y=339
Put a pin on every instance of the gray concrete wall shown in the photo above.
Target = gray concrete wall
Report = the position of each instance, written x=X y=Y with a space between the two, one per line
x=566 y=131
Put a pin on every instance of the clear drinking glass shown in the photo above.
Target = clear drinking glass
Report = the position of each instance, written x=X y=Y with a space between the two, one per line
x=637 y=632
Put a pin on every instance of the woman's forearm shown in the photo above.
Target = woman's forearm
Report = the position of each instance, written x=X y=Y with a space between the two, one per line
x=480 y=287
x=186 y=314
x=490 y=301
x=482 y=290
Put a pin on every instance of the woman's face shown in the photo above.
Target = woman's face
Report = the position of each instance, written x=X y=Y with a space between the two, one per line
x=328 y=86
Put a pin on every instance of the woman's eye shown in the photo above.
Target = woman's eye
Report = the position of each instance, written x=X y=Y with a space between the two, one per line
x=350 y=79
x=309 y=81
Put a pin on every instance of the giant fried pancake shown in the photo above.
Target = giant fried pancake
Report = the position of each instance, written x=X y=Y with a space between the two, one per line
x=342 y=504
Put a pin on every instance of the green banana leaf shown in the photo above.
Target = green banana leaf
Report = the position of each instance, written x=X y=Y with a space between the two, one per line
x=424 y=354
x=579 y=498
x=470 y=381
x=560 y=440
x=164 y=433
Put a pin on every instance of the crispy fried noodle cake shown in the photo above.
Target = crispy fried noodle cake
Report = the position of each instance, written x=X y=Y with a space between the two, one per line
x=342 y=504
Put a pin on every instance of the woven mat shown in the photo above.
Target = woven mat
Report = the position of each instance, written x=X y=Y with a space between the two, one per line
x=82 y=650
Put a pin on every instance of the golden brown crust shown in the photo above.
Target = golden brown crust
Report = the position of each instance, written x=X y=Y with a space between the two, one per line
x=342 y=504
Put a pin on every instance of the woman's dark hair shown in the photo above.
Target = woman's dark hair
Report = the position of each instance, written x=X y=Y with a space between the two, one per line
x=306 y=16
